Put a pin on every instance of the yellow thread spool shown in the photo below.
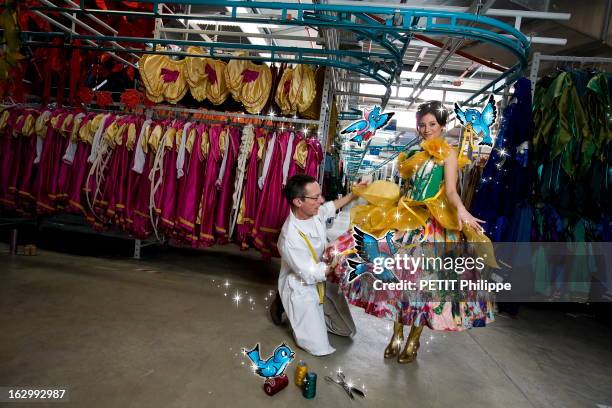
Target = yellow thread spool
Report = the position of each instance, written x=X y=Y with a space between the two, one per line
x=300 y=373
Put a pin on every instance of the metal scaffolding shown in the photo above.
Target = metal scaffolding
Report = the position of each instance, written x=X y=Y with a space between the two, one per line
x=361 y=42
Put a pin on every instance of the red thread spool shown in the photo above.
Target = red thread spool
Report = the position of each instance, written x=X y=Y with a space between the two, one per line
x=275 y=384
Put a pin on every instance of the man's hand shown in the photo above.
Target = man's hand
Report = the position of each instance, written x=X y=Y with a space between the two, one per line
x=341 y=202
x=363 y=182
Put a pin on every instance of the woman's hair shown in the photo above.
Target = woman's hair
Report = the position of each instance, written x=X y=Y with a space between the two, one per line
x=435 y=108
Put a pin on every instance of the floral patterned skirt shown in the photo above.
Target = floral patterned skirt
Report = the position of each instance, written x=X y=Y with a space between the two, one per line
x=409 y=307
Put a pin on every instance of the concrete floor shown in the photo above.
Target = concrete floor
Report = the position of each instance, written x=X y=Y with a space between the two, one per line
x=165 y=332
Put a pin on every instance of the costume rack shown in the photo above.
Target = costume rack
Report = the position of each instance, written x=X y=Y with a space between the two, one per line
x=344 y=30
x=539 y=58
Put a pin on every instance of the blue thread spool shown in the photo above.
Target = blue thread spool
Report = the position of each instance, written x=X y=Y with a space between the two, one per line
x=310 y=386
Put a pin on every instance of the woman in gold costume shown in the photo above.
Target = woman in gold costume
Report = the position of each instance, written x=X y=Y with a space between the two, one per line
x=428 y=215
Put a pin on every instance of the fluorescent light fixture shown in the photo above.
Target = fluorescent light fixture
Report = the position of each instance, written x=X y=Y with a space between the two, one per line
x=242 y=25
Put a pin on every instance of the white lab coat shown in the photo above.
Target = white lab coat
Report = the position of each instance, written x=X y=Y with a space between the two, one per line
x=298 y=277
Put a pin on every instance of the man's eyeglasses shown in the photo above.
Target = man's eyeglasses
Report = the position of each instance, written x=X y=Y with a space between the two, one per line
x=313 y=197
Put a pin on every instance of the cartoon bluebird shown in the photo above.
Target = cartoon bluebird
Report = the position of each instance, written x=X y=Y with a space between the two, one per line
x=481 y=121
x=366 y=128
x=369 y=248
x=274 y=365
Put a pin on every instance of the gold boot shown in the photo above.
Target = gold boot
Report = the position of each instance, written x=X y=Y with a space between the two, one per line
x=408 y=355
x=397 y=339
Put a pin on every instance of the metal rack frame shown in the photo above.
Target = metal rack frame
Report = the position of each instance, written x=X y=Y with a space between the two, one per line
x=390 y=28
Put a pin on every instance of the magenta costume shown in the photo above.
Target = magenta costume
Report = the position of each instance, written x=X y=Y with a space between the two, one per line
x=80 y=168
x=250 y=194
x=190 y=187
x=139 y=190
x=271 y=216
x=116 y=182
x=45 y=188
x=315 y=157
x=225 y=184
x=25 y=168
x=91 y=189
x=66 y=167
x=8 y=146
x=169 y=183
x=209 y=190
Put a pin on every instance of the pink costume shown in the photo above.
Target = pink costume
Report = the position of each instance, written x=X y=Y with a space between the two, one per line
x=97 y=157
x=80 y=168
x=225 y=184
x=67 y=160
x=26 y=166
x=9 y=158
x=139 y=183
x=46 y=182
x=115 y=187
x=23 y=157
x=250 y=202
x=169 y=182
x=217 y=138
x=190 y=184
x=123 y=211
x=271 y=216
x=158 y=172
x=315 y=157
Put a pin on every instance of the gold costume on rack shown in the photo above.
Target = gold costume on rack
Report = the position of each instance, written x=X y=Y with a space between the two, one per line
x=254 y=94
x=296 y=89
x=233 y=76
x=216 y=90
x=308 y=89
x=312 y=112
x=163 y=77
x=195 y=75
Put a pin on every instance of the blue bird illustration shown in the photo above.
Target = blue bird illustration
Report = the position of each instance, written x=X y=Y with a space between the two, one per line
x=368 y=248
x=366 y=128
x=481 y=121
x=274 y=365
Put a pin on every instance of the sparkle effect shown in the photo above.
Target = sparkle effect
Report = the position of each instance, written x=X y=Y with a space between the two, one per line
x=237 y=298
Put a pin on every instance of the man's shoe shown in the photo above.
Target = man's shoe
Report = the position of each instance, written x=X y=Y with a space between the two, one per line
x=276 y=310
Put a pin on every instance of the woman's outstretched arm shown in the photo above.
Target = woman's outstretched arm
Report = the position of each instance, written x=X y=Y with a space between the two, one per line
x=450 y=184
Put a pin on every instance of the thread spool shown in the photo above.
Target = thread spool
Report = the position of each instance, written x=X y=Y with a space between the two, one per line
x=300 y=373
x=275 y=384
x=310 y=386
